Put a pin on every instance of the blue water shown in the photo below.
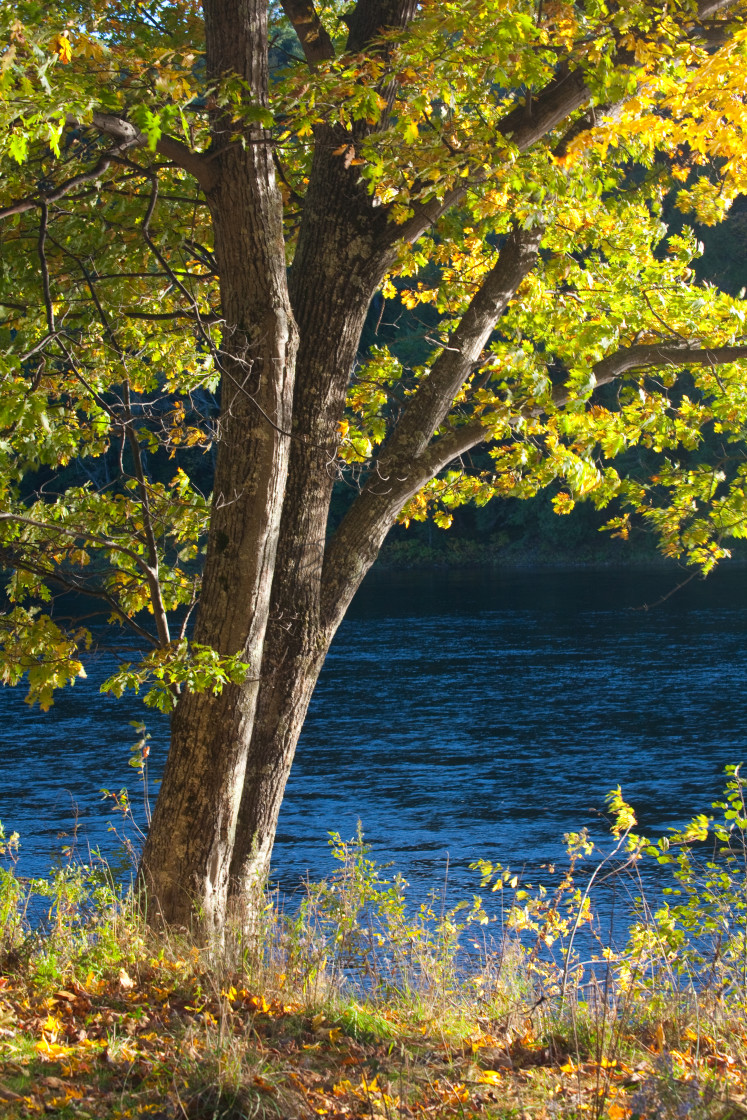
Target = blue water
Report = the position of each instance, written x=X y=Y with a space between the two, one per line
x=459 y=715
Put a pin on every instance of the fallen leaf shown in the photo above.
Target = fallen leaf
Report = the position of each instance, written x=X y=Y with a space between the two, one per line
x=265 y=1086
x=55 y=1083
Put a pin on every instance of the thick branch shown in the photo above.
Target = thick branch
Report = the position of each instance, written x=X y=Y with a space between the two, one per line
x=370 y=17
x=435 y=395
x=209 y=320
x=707 y=9
x=356 y=543
x=128 y=136
x=312 y=34
x=524 y=127
x=674 y=354
x=528 y=123
x=174 y=150
x=462 y=439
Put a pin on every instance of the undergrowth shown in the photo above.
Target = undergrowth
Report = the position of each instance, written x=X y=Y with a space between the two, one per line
x=360 y=1005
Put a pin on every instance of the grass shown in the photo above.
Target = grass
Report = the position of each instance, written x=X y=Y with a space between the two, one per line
x=356 y=1006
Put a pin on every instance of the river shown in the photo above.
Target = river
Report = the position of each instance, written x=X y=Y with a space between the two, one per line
x=459 y=715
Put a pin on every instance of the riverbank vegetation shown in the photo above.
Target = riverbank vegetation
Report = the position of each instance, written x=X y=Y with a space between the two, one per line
x=359 y=1003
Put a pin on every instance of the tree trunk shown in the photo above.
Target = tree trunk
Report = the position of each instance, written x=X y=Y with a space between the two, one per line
x=341 y=258
x=337 y=268
x=310 y=598
x=187 y=855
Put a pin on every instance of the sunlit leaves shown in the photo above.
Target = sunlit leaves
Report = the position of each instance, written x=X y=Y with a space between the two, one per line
x=32 y=645
x=164 y=672
x=372 y=392
x=68 y=391
x=63 y=48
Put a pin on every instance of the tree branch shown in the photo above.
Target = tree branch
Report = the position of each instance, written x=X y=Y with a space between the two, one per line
x=668 y=354
x=209 y=320
x=356 y=543
x=12 y=558
x=312 y=34
x=130 y=136
x=707 y=9
x=524 y=127
x=431 y=403
x=127 y=424
x=369 y=17
x=30 y=202
x=41 y=250
x=79 y=534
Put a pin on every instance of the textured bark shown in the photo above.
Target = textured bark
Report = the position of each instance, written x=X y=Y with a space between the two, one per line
x=343 y=252
x=312 y=35
x=335 y=273
x=244 y=740
x=187 y=856
x=341 y=257
x=370 y=17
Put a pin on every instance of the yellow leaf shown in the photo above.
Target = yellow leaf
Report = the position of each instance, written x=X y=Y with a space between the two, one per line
x=490 y=1077
x=258 y=1003
x=52 y=1051
x=63 y=48
x=563 y=503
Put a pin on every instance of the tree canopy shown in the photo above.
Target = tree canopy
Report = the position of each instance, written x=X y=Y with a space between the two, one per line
x=202 y=209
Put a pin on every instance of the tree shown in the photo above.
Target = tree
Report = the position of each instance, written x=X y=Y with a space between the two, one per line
x=201 y=205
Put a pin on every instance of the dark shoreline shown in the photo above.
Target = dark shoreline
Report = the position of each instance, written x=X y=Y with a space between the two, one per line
x=484 y=558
